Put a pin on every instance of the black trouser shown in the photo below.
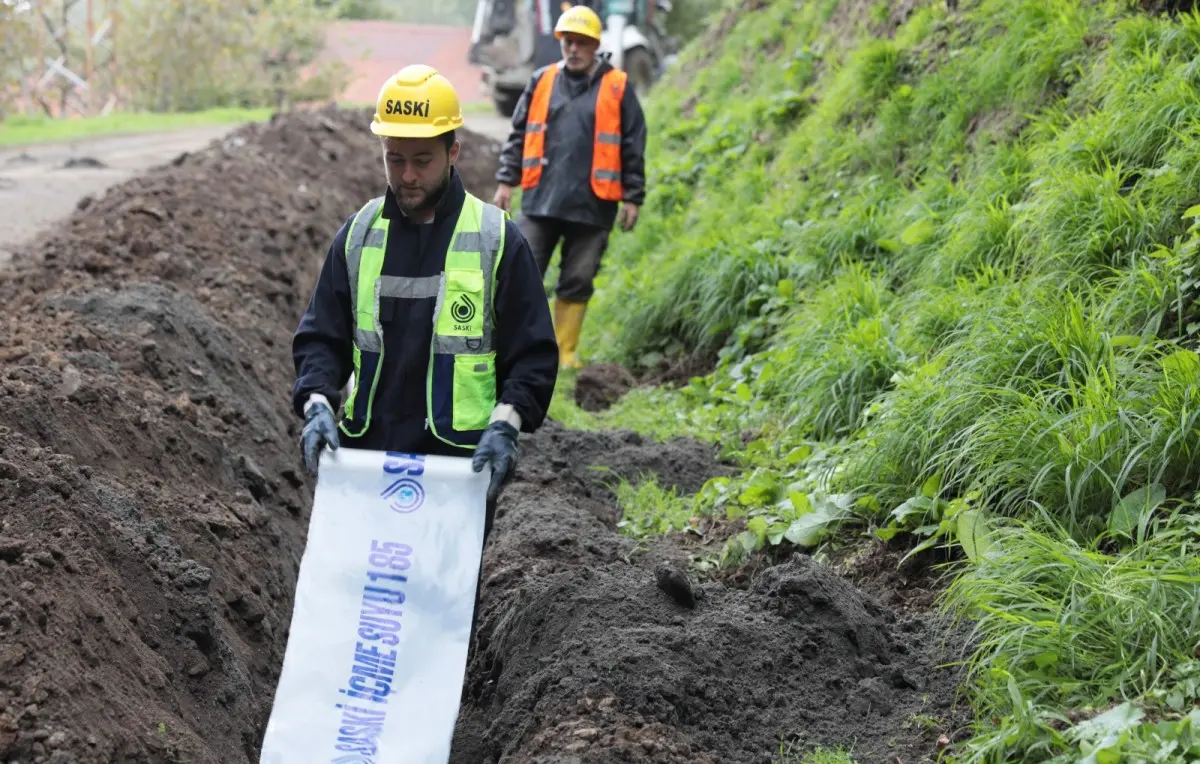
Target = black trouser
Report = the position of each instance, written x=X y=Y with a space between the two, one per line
x=582 y=248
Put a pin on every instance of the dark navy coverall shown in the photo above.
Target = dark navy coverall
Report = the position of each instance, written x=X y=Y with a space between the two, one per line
x=526 y=349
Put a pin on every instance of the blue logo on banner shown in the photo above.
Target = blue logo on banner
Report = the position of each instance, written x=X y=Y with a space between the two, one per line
x=406 y=493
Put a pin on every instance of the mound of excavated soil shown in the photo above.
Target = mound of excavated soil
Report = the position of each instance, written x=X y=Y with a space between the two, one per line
x=153 y=505
x=600 y=386
x=478 y=158
x=584 y=657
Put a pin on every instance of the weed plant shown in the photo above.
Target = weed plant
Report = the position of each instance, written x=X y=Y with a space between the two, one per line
x=947 y=263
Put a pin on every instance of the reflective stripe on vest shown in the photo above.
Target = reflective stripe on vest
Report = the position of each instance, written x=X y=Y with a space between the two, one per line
x=606 y=149
x=461 y=377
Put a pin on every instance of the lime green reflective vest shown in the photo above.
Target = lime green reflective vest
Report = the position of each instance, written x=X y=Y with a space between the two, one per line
x=461 y=381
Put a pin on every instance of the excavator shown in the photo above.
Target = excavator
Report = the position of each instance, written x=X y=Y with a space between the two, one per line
x=510 y=39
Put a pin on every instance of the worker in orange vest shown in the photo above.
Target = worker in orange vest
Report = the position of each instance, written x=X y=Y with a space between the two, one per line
x=577 y=149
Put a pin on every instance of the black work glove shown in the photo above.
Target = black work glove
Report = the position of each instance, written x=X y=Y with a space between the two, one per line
x=499 y=447
x=319 y=429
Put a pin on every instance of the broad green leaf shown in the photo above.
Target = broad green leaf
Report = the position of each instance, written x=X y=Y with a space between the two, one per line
x=889 y=245
x=1108 y=725
x=787 y=288
x=652 y=358
x=1109 y=755
x=917 y=505
x=927 y=530
x=1175 y=700
x=800 y=502
x=743 y=391
x=757 y=526
x=973 y=534
x=932 y=486
x=808 y=529
x=799 y=454
x=867 y=504
x=1048 y=658
x=1193 y=211
x=1182 y=366
x=748 y=541
x=919 y=232
x=888 y=532
x=1127 y=515
x=776 y=532
x=760 y=491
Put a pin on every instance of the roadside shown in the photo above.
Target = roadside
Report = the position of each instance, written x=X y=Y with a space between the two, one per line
x=488 y=123
x=17 y=131
x=42 y=184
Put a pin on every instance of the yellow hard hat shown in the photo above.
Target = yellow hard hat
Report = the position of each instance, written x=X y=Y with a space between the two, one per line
x=416 y=102
x=579 y=19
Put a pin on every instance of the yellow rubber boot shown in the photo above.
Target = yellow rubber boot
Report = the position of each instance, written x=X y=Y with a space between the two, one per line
x=568 y=320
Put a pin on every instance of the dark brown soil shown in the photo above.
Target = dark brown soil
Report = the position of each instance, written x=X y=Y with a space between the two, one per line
x=584 y=658
x=478 y=159
x=153 y=507
x=153 y=511
x=600 y=386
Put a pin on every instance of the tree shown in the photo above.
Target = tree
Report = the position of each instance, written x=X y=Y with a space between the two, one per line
x=182 y=55
x=358 y=9
x=17 y=38
x=291 y=35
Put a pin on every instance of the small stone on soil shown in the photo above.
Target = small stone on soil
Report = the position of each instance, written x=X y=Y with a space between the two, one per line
x=676 y=585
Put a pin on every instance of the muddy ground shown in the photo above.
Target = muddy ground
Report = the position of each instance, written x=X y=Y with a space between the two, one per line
x=590 y=652
x=153 y=510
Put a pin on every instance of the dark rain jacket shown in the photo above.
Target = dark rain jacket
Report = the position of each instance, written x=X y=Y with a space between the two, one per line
x=565 y=190
x=526 y=349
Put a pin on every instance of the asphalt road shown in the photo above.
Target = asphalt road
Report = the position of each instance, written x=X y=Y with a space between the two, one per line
x=38 y=186
x=489 y=123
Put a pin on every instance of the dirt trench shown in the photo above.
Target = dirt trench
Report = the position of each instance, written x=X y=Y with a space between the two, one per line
x=153 y=506
x=153 y=513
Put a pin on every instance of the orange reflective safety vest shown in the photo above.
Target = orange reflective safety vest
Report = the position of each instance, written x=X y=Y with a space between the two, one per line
x=606 y=151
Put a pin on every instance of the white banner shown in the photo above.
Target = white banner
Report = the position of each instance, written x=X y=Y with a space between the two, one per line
x=377 y=651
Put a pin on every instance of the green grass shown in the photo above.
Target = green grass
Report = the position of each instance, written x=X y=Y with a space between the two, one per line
x=480 y=107
x=16 y=131
x=816 y=756
x=949 y=273
x=1064 y=627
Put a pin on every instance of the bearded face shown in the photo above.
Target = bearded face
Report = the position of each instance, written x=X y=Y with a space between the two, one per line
x=418 y=171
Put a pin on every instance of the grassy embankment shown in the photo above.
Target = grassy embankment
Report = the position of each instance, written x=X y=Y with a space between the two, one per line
x=948 y=269
x=17 y=131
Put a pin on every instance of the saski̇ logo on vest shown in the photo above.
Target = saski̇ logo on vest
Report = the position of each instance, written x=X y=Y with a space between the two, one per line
x=463 y=312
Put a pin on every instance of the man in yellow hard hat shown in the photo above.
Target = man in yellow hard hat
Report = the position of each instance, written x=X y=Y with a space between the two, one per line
x=577 y=149
x=430 y=305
